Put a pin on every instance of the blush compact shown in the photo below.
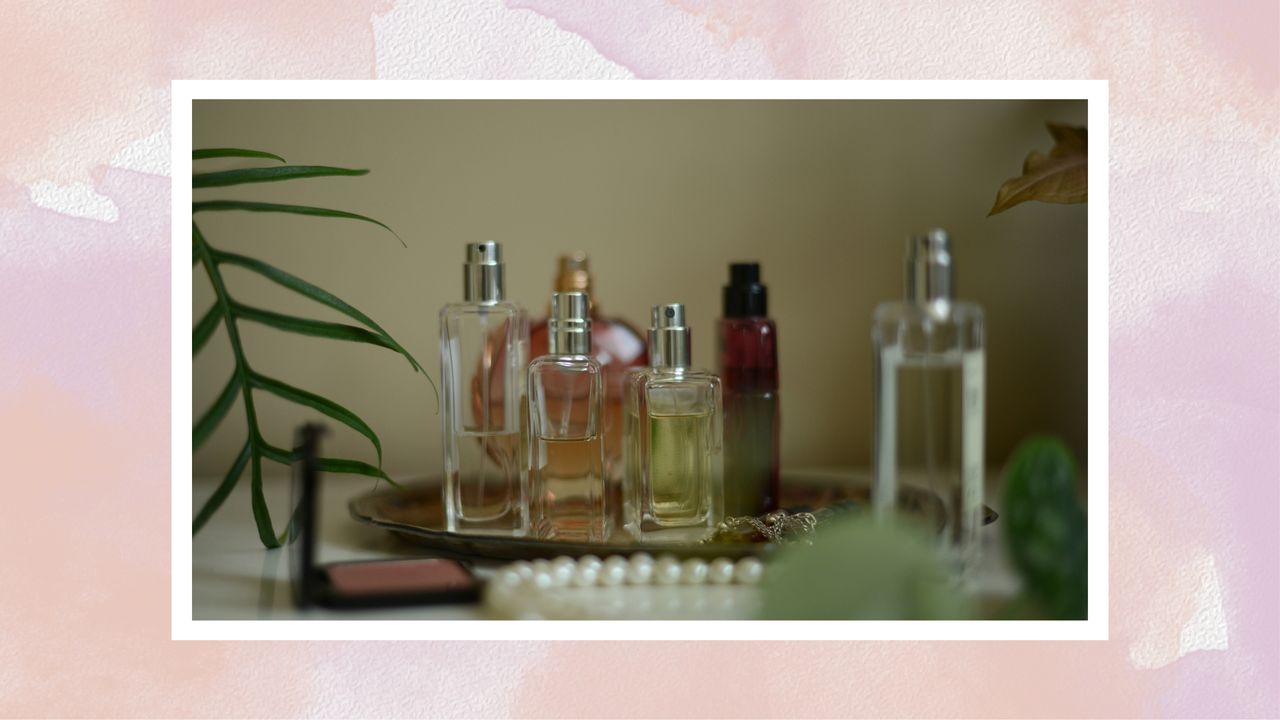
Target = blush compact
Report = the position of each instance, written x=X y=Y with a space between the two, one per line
x=361 y=583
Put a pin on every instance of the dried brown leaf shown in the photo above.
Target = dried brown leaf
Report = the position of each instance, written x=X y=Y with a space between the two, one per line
x=1062 y=176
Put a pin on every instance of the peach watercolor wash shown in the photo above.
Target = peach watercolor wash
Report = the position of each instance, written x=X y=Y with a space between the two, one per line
x=1195 y=358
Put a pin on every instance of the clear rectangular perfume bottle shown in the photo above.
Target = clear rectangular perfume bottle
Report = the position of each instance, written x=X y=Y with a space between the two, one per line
x=484 y=344
x=567 y=494
x=930 y=372
x=673 y=486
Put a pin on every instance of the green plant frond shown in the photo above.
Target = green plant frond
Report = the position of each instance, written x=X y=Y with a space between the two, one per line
x=208 y=153
x=249 y=206
x=228 y=312
x=322 y=296
x=305 y=326
x=316 y=402
x=330 y=465
x=275 y=454
x=224 y=178
x=261 y=514
x=218 y=410
x=352 y=467
x=203 y=330
x=224 y=489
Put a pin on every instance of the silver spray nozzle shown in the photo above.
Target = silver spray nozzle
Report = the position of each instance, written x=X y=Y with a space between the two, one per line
x=930 y=270
x=570 y=324
x=669 y=344
x=482 y=280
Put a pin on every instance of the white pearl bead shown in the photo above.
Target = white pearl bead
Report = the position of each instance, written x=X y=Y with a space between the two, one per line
x=666 y=570
x=507 y=577
x=585 y=575
x=562 y=570
x=523 y=568
x=613 y=571
x=640 y=569
x=748 y=571
x=720 y=571
x=693 y=571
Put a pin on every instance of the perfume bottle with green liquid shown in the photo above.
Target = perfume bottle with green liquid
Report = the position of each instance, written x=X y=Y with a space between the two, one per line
x=673 y=489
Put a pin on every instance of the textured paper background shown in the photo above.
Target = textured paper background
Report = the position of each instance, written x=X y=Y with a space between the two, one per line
x=1195 y=356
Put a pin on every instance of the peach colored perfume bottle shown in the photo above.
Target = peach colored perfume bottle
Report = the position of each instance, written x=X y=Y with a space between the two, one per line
x=615 y=344
x=567 y=498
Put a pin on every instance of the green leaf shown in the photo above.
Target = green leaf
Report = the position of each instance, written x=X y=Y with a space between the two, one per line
x=261 y=514
x=250 y=206
x=224 y=489
x=232 y=152
x=204 y=329
x=324 y=297
x=1046 y=528
x=275 y=454
x=267 y=174
x=352 y=467
x=303 y=326
x=205 y=426
x=316 y=402
x=331 y=465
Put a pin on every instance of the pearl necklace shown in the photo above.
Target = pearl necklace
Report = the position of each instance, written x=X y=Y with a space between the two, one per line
x=545 y=589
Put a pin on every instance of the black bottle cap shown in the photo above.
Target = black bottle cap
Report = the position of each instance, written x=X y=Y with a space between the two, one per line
x=745 y=296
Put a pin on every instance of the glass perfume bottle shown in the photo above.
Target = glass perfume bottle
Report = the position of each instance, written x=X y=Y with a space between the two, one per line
x=567 y=499
x=615 y=344
x=484 y=344
x=673 y=483
x=748 y=366
x=929 y=370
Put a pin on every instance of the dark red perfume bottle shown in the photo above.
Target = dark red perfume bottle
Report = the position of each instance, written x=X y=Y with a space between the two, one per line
x=748 y=366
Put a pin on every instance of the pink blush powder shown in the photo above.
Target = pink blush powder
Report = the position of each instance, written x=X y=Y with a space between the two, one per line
x=398 y=576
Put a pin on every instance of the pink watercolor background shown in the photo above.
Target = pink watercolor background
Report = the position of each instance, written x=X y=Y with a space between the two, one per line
x=1195 y=356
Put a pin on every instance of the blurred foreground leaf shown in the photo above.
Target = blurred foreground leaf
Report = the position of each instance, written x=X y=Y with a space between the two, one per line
x=1046 y=528
x=859 y=569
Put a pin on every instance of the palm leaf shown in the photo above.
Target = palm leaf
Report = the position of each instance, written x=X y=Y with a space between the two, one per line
x=304 y=326
x=232 y=152
x=214 y=205
x=229 y=312
x=267 y=174
x=224 y=489
x=203 y=330
x=320 y=295
x=328 y=407
x=218 y=410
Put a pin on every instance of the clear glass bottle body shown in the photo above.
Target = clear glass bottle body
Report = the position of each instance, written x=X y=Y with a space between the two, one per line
x=673 y=454
x=566 y=479
x=930 y=375
x=483 y=354
x=749 y=370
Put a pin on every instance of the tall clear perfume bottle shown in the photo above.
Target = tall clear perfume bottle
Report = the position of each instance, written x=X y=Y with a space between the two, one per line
x=484 y=343
x=673 y=486
x=567 y=497
x=929 y=395
x=748 y=366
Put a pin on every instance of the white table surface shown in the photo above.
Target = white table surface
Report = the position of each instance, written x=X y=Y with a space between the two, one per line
x=235 y=578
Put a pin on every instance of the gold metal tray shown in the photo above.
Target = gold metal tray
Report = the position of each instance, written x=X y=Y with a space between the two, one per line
x=415 y=512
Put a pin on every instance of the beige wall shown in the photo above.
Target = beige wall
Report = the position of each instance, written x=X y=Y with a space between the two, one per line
x=662 y=195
